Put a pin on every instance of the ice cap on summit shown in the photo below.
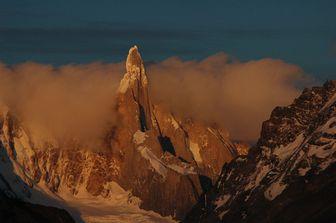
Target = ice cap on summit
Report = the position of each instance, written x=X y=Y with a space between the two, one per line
x=134 y=63
x=135 y=70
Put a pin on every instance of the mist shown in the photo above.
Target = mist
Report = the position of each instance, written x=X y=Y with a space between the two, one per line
x=236 y=95
x=64 y=103
x=77 y=101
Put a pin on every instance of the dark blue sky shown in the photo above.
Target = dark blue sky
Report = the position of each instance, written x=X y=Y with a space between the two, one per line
x=80 y=31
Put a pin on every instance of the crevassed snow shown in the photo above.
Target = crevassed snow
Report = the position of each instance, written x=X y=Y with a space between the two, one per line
x=117 y=207
x=195 y=150
x=139 y=137
x=155 y=162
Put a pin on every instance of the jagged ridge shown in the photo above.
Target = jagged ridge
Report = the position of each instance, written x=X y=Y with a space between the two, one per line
x=289 y=175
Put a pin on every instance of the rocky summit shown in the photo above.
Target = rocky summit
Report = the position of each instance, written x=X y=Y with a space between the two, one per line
x=289 y=176
x=151 y=158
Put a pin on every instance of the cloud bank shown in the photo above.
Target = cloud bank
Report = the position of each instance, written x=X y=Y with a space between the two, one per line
x=76 y=101
x=72 y=101
x=238 y=96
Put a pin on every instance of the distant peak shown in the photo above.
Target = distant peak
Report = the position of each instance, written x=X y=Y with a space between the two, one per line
x=134 y=63
x=135 y=70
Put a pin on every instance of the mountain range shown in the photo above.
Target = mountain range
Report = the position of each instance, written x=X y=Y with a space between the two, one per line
x=154 y=166
x=151 y=159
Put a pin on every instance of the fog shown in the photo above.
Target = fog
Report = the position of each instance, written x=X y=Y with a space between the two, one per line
x=77 y=101
x=238 y=96
x=72 y=101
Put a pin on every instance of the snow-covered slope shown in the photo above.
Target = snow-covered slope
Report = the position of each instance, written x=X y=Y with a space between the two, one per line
x=289 y=176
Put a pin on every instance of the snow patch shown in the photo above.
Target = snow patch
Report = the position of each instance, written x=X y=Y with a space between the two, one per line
x=241 y=159
x=330 y=102
x=326 y=163
x=162 y=168
x=303 y=171
x=155 y=162
x=139 y=137
x=182 y=170
x=283 y=152
x=326 y=127
x=321 y=152
x=257 y=177
x=118 y=207
x=275 y=189
x=195 y=150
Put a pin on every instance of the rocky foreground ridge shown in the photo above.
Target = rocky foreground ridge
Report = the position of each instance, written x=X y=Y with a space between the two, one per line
x=289 y=176
x=165 y=161
x=15 y=211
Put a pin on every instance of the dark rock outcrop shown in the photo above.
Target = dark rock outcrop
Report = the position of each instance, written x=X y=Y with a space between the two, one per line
x=16 y=211
x=289 y=176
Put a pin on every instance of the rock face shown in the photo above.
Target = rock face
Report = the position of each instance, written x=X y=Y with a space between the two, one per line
x=289 y=176
x=166 y=161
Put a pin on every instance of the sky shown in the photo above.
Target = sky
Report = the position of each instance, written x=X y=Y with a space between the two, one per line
x=82 y=31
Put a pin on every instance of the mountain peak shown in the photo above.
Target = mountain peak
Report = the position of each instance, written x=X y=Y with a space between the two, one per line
x=134 y=63
x=135 y=71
